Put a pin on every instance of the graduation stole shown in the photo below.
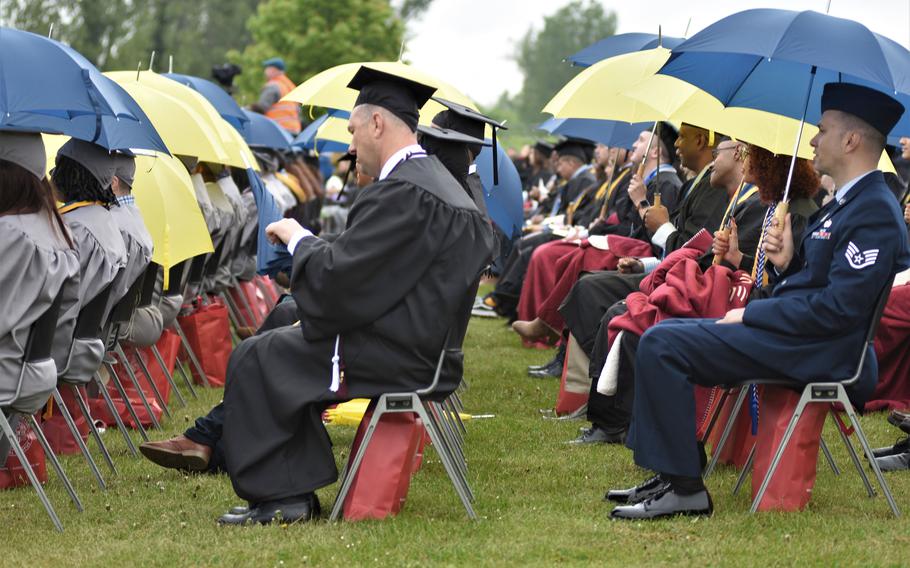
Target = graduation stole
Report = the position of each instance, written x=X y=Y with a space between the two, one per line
x=605 y=192
x=742 y=199
x=67 y=207
x=570 y=211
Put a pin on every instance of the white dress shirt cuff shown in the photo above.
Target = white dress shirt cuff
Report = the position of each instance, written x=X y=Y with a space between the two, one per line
x=298 y=236
x=662 y=234
x=650 y=263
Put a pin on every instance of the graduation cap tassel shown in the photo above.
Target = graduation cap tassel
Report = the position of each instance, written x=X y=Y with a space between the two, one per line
x=336 y=372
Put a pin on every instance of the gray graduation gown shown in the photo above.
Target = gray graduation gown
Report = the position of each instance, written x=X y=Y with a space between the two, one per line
x=390 y=286
x=102 y=255
x=37 y=265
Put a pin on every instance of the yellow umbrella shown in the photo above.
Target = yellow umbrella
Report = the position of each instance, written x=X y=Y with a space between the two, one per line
x=213 y=141
x=627 y=88
x=351 y=413
x=330 y=88
x=334 y=129
x=165 y=198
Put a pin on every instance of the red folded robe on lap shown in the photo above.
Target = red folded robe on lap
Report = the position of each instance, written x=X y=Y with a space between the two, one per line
x=891 y=341
x=556 y=267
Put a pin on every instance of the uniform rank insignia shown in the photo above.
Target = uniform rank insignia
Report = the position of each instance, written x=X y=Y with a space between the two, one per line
x=860 y=259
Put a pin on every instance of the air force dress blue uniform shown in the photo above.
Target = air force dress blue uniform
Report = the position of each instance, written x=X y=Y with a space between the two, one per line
x=809 y=330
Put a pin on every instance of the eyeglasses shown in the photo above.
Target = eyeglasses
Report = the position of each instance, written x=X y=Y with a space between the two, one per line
x=717 y=151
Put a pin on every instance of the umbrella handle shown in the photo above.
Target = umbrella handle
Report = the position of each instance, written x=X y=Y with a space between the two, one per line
x=719 y=257
x=656 y=200
x=781 y=212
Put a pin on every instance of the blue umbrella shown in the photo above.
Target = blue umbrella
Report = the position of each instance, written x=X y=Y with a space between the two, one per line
x=307 y=139
x=504 y=200
x=619 y=44
x=46 y=86
x=270 y=259
x=263 y=132
x=779 y=60
x=224 y=103
x=607 y=132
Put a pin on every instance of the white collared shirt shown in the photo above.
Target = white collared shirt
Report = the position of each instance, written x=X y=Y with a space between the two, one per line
x=413 y=151
x=842 y=191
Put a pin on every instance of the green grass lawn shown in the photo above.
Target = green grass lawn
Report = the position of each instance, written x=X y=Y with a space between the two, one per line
x=539 y=501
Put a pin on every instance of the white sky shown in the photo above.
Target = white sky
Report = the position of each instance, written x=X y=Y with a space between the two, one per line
x=469 y=43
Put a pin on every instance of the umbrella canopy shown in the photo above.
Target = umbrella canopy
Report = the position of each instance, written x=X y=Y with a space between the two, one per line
x=166 y=199
x=330 y=88
x=503 y=200
x=263 y=132
x=619 y=44
x=780 y=60
x=186 y=120
x=224 y=103
x=607 y=132
x=46 y=86
x=328 y=133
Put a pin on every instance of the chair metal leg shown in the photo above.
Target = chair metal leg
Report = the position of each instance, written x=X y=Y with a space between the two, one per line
x=456 y=414
x=155 y=391
x=864 y=442
x=192 y=355
x=828 y=457
x=746 y=469
x=68 y=418
x=126 y=402
x=779 y=454
x=852 y=451
x=451 y=468
x=234 y=322
x=712 y=419
x=7 y=431
x=135 y=380
x=55 y=463
x=167 y=375
x=186 y=379
x=450 y=417
x=456 y=400
x=252 y=320
x=449 y=453
x=725 y=435
x=112 y=408
x=93 y=430
x=355 y=459
x=451 y=446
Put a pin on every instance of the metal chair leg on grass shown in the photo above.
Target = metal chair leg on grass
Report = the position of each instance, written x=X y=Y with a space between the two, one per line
x=112 y=408
x=155 y=390
x=135 y=380
x=126 y=401
x=55 y=462
x=92 y=428
x=7 y=430
x=168 y=375
x=192 y=355
x=71 y=424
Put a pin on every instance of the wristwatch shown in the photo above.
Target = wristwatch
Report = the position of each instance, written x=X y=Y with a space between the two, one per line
x=643 y=203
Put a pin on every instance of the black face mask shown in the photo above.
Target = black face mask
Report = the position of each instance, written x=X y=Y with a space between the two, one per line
x=453 y=156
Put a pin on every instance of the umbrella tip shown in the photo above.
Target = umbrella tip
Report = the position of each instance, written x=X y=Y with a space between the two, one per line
x=170 y=63
x=152 y=61
x=50 y=32
x=138 y=69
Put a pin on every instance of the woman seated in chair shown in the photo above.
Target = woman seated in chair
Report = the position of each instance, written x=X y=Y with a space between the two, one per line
x=82 y=178
x=38 y=262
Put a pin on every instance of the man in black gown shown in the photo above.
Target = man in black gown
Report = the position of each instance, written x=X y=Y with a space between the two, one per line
x=374 y=305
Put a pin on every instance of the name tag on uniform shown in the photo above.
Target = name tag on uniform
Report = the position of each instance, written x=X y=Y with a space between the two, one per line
x=821 y=234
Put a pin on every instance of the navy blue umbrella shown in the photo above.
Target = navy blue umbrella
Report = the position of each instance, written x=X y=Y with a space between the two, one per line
x=779 y=61
x=307 y=139
x=263 y=132
x=612 y=133
x=224 y=103
x=503 y=200
x=270 y=259
x=46 y=86
x=619 y=44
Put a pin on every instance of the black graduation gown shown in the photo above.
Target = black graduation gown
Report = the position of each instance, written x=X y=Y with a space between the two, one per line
x=391 y=285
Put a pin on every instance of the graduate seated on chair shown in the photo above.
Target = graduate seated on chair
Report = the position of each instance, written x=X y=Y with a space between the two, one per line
x=811 y=328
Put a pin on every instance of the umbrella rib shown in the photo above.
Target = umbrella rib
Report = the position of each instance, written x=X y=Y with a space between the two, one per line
x=743 y=82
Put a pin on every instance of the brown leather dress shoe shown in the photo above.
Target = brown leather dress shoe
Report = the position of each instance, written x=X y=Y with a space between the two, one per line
x=178 y=453
x=532 y=330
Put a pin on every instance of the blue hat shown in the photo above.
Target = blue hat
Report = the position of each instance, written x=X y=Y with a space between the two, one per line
x=876 y=108
x=274 y=62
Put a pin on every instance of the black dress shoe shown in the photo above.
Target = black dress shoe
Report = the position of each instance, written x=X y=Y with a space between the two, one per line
x=553 y=370
x=239 y=510
x=284 y=511
x=667 y=504
x=901 y=419
x=639 y=493
x=894 y=463
x=539 y=367
x=597 y=435
x=900 y=447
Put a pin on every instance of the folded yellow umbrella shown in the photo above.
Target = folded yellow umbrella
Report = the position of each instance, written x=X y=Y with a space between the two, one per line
x=351 y=413
x=330 y=88
x=628 y=88
x=186 y=118
x=165 y=198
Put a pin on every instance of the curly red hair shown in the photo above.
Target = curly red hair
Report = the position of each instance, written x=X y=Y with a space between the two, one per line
x=770 y=171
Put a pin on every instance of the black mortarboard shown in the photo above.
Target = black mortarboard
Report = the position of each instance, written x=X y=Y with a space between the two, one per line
x=450 y=135
x=544 y=148
x=402 y=97
x=577 y=147
x=874 y=107
x=468 y=121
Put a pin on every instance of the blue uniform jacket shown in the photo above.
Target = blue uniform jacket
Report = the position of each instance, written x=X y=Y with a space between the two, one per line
x=812 y=326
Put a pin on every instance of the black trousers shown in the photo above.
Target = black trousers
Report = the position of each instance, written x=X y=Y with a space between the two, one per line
x=208 y=428
x=613 y=413
x=590 y=298
x=512 y=278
